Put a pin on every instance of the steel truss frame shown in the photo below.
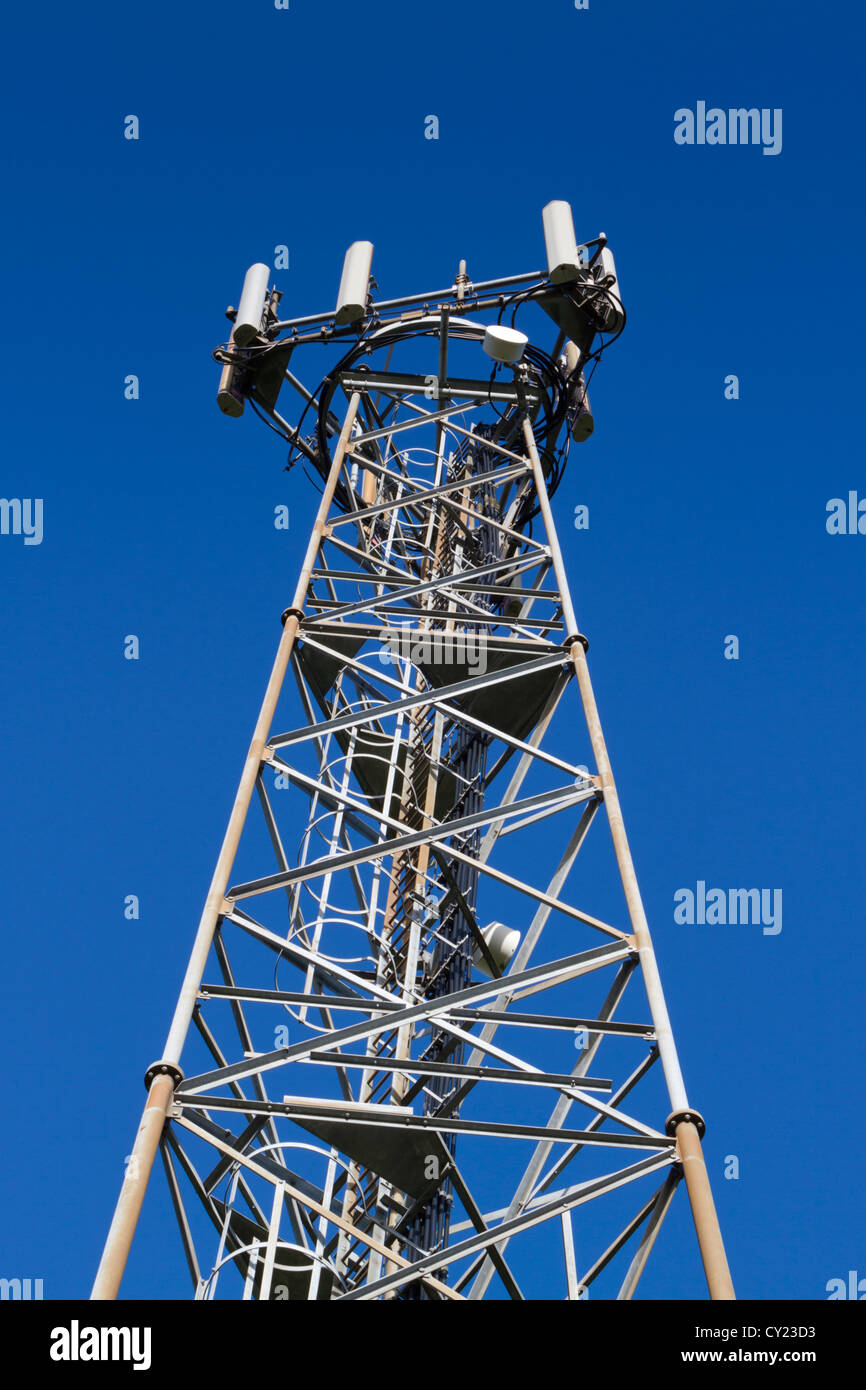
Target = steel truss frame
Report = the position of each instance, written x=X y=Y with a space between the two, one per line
x=418 y=555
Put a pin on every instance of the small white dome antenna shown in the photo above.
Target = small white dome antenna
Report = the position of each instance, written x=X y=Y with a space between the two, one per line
x=504 y=344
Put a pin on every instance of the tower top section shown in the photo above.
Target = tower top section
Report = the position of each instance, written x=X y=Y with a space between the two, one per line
x=578 y=292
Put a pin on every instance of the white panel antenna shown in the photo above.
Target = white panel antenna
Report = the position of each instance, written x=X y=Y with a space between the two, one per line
x=354 y=283
x=563 y=260
x=248 y=322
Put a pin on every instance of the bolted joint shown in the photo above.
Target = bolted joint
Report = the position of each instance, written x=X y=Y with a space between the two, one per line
x=292 y=613
x=682 y=1117
x=163 y=1069
x=576 y=637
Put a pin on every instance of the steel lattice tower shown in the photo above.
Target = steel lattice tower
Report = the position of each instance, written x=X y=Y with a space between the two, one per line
x=403 y=999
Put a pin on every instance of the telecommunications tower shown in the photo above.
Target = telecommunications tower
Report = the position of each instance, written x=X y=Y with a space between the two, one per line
x=420 y=1066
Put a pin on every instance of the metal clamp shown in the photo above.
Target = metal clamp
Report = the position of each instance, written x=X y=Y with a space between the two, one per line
x=162 y=1068
x=681 y=1117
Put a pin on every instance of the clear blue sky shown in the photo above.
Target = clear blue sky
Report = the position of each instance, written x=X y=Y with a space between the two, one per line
x=259 y=128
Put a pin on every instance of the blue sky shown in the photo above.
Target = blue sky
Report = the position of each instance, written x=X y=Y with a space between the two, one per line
x=305 y=128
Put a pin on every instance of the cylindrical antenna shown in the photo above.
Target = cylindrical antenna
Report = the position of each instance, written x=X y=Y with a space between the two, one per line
x=354 y=283
x=563 y=261
x=248 y=323
x=606 y=271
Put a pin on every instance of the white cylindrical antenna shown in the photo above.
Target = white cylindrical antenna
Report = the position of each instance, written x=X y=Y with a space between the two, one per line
x=354 y=283
x=504 y=344
x=605 y=269
x=248 y=322
x=502 y=942
x=229 y=397
x=563 y=260
x=572 y=356
x=578 y=396
x=584 y=420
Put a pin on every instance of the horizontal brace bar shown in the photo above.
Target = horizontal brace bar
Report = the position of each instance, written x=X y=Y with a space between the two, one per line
x=531 y=646
x=595 y=958
x=445 y=581
x=375 y=1006
x=432 y=834
x=473 y=288
x=423 y=697
x=458 y=388
x=504 y=590
x=417 y=1067
x=467 y=617
x=392 y=1118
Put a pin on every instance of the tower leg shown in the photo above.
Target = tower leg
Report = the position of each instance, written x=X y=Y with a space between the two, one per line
x=161 y=1088
x=712 y=1247
x=129 y=1203
x=688 y=1139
